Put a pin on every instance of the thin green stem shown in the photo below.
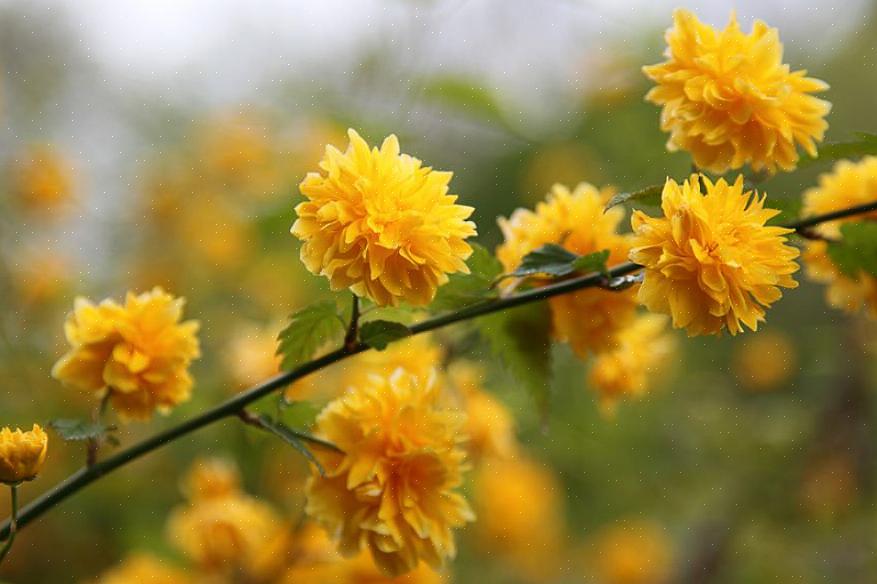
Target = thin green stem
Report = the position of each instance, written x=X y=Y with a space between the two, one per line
x=87 y=475
x=13 y=522
x=352 y=335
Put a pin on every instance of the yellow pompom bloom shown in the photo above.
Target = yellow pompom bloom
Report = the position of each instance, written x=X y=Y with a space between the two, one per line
x=765 y=361
x=418 y=355
x=225 y=534
x=710 y=261
x=393 y=490
x=211 y=478
x=847 y=185
x=588 y=319
x=381 y=224
x=22 y=454
x=628 y=370
x=520 y=516
x=138 y=352
x=635 y=552
x=358 y=570
x=729 y=100
x=489 y=425
x=144 y=569
x=43 y=179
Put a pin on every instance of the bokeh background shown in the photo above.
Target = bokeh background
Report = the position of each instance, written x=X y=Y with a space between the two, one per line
x=146 y=143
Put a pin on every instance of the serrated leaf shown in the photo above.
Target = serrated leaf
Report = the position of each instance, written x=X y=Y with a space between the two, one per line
x=74 y=430
x=592 y=262
x=465 y=289
x=647 y=196
x=296 y=439
x=309 y=329
x=550 y=259
x=856 y=252
x=377 y=334
x=864 y=144
x=520 y=337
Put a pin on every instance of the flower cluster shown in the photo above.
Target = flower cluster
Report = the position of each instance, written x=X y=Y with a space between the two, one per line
x=393 y=490
x=729 y=100
x=381 y=224
x=711 y=262
x=137 y=353
x=22 y=454
x=849 y=184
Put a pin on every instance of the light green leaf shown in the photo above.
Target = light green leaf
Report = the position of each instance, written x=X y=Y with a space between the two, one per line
x=856 y=252
x=647 y=196
x=296 y=439
x=74 y=430
x=465 y=289
x=309 y=329
x=593 y=262
x=464 y=95
x=377 y=334
x=520 y=337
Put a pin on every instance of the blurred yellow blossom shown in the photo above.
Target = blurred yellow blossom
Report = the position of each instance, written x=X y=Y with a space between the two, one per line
x=22 y=454
x=358 y=570
x=520 y=515
x=847 y=185
x=144 y=569
x=211 y=478
x=138 y=353
x=628 y=370
x=830 y=484
x=41 y=276
x=378 y=222
x=728 y=98
x=765 y=361
x=633 y=552
x=43 y=179
x=711 y=262
x=489 y=425
x=588 y=319
x=566 y=163
x=394 y=488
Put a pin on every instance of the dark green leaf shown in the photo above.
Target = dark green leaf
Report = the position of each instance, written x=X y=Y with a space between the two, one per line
x=864 y=144
x=550 y=259
x=856 y=252
x=465 y=289
x=69 y=429
x=647 y=196
x=296 y=439
x=309 y=329
x=377 y=334
x=520 y=337
x=593 y=262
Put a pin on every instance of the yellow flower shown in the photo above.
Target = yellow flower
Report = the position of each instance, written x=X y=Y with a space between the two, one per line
x=711 y=262
x=225 y=534
x=634 y=552
x=627 y=371
x=22 y=454
x=489 y=425
x=729 y=100
x=358 y=570
x=43 y=179
x=393 y=490
x=418 y=355
x=765 y=361
x=520 y=516
x=138 y=352
x=144 y=569
x=211 y=478
x=378 y=222
x=847 y=185
x=588 y=319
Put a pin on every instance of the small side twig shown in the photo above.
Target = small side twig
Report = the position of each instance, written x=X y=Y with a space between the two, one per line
x=13 y=522
x=92 y=445
x=352 y=336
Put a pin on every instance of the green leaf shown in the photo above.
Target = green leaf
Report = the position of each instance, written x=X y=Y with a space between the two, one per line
x=856 y=252
x=377 y=334
x=593 y=262
x=70 y=429
x=550 y=259
x=520 y=337
x=647 y=196
x=465 y=95
x=465 y=289
x=309 y=329
x=296 y=439
x=864 y=144
x=300 y=414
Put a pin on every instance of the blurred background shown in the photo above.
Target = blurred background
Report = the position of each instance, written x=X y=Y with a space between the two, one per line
x=161 y=143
